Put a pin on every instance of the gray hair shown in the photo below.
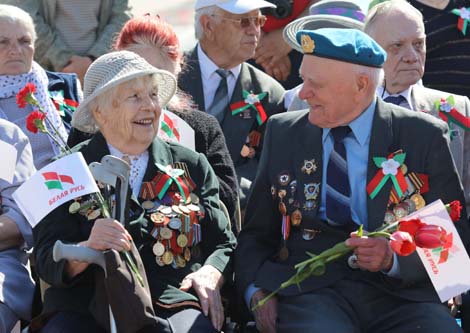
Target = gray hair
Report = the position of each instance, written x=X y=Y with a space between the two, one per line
x=198 y=29
x=14 y=14
x=375 y=75
x=376 y=12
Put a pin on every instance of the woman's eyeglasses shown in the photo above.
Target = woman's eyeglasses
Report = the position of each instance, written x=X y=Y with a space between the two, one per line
x=245 y=22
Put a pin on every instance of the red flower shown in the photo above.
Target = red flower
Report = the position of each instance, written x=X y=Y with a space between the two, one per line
x=35 y=122
x=454 y=209
x=24 y=96
x=430 y=237
x=411 y=226
x=402 y=243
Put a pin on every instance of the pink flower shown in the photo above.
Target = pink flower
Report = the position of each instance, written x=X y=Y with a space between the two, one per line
x=402 y=243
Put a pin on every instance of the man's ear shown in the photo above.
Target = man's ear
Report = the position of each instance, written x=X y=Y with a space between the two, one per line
x=207 y=26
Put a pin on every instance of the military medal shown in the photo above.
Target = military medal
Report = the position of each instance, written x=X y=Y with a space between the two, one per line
x=193 y=208
x=166 y=233
x=157 y=218
x=165 y=210
x=158 y=249
x=180 y=262
x=175 y=223
x=182 y=240
x=74 y=207
x=309 y=166
x=418 y=200
x=273 y=191
x=176 y=209
x=400 y=211
x=311 y=191
x=309 y=205
x=284 y=179
x=352 y=262
x=296 y=218
x=389 y=217
x=167 y=258
x=159 y=261
x=284 y=252
x=94 y=214
x=147 y=205
x=309 y=234
x=194 y=198
x=187 y=254
x=184 y=209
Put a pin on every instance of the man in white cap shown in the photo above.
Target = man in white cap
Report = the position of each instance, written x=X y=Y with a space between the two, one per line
x=240 y=96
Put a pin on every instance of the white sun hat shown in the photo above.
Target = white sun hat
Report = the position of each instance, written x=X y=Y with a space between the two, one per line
x=235 y=6
x=109 y=71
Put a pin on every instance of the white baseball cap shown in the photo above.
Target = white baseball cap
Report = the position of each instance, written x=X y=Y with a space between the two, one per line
x=234 y=6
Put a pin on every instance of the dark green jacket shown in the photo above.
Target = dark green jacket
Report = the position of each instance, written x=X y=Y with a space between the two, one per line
x=217 y=243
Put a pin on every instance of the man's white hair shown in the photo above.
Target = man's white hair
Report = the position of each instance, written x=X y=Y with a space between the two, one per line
x=375 y=75
x=375 y=13
x=198 y=29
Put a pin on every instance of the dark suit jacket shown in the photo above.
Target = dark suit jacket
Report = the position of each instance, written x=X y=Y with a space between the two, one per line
x=217 y=243
x=290 y=140
x=236 y=128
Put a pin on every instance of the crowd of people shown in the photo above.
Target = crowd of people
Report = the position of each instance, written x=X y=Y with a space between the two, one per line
x=275 y=175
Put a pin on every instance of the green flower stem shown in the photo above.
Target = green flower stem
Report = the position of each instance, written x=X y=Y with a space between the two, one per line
x=62 y=145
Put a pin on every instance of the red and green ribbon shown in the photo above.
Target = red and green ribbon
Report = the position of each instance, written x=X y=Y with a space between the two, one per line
x=61 y=103
x=169 y=128
x=464 y=17
x=251 y=101
x=449 y=113
x=398 y=180
x=170 y=176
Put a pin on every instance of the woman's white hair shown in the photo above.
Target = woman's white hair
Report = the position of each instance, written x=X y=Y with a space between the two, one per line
x=198 y=29
x=14 y=14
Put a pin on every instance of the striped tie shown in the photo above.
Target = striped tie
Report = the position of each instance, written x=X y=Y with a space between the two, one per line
x=221 y=99
x=397 y=100
x=338 y=190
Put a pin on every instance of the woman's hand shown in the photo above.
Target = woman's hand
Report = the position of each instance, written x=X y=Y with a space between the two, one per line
x=108 y=234
x=207 y=282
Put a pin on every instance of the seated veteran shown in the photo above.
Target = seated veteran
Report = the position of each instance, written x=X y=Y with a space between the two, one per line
x=317 y=188
x=397 y=20
x=58 y=93
x=184 y=240
x=156 y=41
x=16 y=285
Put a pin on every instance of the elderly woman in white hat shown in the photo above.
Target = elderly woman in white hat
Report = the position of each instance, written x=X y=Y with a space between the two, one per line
x=182 y=235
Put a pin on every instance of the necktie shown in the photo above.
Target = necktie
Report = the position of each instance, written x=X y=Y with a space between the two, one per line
x=221 y=100
x=397 y=100
x=338 y=191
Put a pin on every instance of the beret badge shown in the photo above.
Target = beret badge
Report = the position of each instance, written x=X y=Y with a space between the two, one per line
x=308 y=45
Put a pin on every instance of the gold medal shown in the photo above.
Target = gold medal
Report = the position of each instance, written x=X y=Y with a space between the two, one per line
x=157 y=218
x=166 y=233
x=180 y=262
x=182 y=240
x=187 y=254
x=296 y=218
x=167 y=258
x=184 y=209
x=282 y=208
x=158 y=249
x=309 y=166
x=147 y=205
x=176 y=209
x=74 y=207
x=418 y=200
x=94 y=214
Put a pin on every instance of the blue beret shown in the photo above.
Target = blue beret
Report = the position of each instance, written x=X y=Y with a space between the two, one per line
x=348 y=45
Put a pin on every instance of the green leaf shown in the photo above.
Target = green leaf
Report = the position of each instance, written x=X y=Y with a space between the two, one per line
x=378 y=161
x=400 y=158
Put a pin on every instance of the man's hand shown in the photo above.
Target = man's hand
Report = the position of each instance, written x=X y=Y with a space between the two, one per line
x=265 y=315
x=271 y=48
x=373 y=254
x=78 y=65
x=280 y=70
x=207 y=282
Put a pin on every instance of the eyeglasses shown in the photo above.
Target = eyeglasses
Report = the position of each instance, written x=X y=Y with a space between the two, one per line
x=245 y=22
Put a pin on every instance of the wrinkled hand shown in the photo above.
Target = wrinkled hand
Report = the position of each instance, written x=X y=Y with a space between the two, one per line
x=207 y=282
x=280 y=70
x=373 y=254
x=271 y=48
x=108 y=234
x=265 y=315
x=78 y=65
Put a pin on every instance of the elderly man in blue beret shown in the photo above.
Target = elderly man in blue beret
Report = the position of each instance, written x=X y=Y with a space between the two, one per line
x=311 y=192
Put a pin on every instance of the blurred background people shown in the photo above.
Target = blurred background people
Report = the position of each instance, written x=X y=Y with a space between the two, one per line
x=222 y=83
x=17 y=68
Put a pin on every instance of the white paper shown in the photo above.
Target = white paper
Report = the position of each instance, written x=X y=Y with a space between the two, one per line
x=450 y=276
x=8 y=155
x=53 y=185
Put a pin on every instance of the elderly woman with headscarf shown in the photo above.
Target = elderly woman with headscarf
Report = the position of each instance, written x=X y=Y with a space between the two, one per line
x=184 y=240
x=16 y=285
x=57 y=93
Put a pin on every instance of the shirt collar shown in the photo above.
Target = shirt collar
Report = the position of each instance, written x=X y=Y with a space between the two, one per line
x=208 y=67
x=361 y=126
x=405 y=93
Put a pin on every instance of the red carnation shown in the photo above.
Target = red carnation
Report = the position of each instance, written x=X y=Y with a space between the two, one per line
x=35 y=122
x=25 y=96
